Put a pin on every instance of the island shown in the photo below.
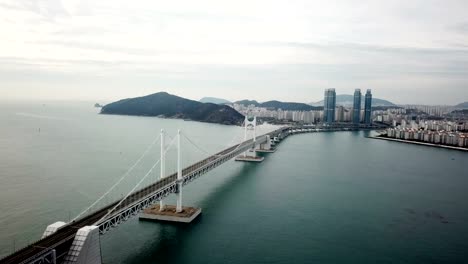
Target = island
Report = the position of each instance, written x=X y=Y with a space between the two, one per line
x=166 y=105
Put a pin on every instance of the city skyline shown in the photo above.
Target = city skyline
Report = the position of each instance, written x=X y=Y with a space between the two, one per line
x=261 y=50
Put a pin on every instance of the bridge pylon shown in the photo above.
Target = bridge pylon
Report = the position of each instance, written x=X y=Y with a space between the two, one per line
x=163 y=165
x=179 y=175
x=171 y=213
x=250 y=155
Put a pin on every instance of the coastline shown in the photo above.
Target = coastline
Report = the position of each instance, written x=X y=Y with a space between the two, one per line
x=174 y=118
x=420 y=143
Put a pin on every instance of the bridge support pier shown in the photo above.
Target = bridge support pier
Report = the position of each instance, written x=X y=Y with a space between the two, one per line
x=179 y=198
x=250 y=156
x=169 y=214
x=266 y=147
x=86 y=248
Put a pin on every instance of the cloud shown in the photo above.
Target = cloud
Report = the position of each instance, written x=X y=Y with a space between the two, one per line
x=374 y=48
x=49 y=9
x=252 y=47
x=95 y=46
x=460 y=28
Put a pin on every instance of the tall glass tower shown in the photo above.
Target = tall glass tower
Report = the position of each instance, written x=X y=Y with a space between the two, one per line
x=329 y=104
x=357 y=107
x=368 y=108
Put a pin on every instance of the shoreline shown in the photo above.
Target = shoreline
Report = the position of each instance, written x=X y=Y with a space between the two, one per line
x=419 y=143
x=172 y=118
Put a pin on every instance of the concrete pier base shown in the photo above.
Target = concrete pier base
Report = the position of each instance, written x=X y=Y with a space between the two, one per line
x=169 y=214
x=265 y=150
x=249 y=159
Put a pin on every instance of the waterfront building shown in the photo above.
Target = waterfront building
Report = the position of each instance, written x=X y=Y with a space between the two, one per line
x=347 y=116
x=429 y=136
x=339 y=117
x=368 y=107
x=329 y=104
x=357 y=106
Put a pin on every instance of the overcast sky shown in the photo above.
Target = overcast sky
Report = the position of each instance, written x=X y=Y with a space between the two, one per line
x=405 y=51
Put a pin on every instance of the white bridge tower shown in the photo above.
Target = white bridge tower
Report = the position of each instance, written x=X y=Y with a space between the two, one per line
x=250 y=155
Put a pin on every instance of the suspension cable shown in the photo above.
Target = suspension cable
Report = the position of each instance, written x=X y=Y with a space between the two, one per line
x=234 y=139
x=196 y=146
x=121 y=178
x=138 y=184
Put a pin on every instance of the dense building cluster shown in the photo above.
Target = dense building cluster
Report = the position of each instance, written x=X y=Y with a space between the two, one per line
x=391 y=115
x=432 y=110
x=431 y=131
x=309 y=117
x=330 y=113
x=356 y=115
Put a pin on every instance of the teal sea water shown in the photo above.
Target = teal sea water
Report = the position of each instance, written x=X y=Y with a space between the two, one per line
x=321 y=198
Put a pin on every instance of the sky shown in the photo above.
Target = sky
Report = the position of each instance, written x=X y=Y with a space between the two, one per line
x=408 y=52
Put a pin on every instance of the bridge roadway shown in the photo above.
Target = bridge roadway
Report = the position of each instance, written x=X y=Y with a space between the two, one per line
x=63 y=238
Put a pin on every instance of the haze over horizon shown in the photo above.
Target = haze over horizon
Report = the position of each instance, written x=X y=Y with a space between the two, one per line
x=406 y=52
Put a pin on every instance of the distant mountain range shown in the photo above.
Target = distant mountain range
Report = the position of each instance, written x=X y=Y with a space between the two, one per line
x=461 y=106
x=247 y=102
x=348 y=101
x=170 y=106
x=289 y=106
x=214 y=100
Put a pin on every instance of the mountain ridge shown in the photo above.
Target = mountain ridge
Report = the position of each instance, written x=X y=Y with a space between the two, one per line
x=347 y=100
x=166 y=105
x=463 y=105
x=274 y=104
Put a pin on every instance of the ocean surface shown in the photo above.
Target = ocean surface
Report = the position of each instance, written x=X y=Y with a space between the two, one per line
x=321 y=198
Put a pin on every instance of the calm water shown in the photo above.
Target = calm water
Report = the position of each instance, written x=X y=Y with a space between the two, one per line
x=321 y=198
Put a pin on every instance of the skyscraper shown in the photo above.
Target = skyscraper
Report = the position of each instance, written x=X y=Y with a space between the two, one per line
x=368 y=108
x=329 y=106
x=339 y=115
x=357 y=106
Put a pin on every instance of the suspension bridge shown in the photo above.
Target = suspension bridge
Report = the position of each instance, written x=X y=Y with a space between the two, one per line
x=78 y=240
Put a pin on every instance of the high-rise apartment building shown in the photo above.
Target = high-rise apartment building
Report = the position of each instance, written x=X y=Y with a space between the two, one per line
x=329 y=104
x=357 y=106
x=368 y=108
x=339 y=115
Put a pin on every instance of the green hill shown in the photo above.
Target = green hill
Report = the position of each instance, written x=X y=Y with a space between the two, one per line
x=461 y=106
x=247 y=102
x=170 y=106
